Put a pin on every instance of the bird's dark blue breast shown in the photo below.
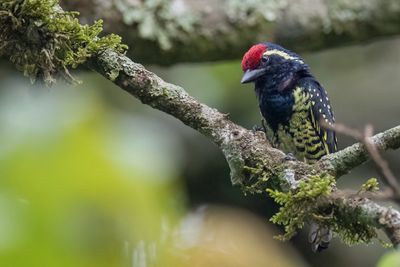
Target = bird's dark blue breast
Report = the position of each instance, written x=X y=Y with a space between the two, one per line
x=276 y=107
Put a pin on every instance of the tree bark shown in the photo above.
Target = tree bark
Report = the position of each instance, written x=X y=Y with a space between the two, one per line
x=251 y=158
x=168 y=32
x=253 y=162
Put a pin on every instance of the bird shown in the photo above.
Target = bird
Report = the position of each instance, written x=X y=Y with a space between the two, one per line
x=294 y=107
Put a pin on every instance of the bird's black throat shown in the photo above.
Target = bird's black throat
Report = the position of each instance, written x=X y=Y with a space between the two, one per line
x=275 y=96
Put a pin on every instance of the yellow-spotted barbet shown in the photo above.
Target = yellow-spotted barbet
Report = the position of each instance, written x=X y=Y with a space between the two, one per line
x=293 y=104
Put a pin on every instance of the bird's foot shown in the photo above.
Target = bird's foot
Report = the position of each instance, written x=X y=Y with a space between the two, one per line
x=289 y=157
x=257 y=128
x=319 y=237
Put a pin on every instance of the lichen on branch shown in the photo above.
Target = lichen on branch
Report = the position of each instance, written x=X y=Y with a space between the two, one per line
x=160 y=21
x=174 y=31
x=44 y=42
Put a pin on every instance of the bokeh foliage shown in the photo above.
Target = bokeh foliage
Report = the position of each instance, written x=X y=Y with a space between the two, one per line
x=83 y=184
x=65 y=200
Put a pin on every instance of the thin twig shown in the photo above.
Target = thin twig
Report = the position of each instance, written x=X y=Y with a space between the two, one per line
x=382 y=195
x=381 y=164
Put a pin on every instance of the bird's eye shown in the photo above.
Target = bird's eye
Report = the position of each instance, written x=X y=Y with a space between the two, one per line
x=264 y=60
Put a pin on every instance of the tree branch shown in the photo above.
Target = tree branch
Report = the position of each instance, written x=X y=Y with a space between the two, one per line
x=167 y=32
x=252 y=160
x=381 y=217
x=254 y=163
x=345 y=160
x=382 y=165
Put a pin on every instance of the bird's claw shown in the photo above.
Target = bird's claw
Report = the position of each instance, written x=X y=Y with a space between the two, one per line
x=257 y=128
x=289 y=157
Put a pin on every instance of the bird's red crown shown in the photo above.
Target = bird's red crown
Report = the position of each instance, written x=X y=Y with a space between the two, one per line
x=252 y=57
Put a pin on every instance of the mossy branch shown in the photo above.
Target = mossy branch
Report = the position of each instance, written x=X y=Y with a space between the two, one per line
x=304 y=190
x=43 y=41
x=173 y=31
x=347 y=159
x=256 y=165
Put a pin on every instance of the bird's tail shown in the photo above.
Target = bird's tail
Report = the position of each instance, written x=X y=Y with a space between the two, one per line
x=319 y=237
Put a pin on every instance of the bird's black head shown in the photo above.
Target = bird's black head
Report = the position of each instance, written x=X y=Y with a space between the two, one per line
x=268 y=61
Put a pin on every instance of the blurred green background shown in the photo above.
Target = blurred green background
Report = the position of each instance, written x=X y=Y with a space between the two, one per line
x=89 y=176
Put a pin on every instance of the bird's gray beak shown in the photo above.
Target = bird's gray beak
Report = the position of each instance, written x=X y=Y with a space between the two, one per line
x=252 y=75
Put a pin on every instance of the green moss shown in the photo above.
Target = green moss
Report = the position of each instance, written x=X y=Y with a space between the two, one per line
x=44 y=42
x=302 y=205
x=371 y=185
x=113 y=74
x=312 y=201
x=257 y=180
x=359 y=227
x=352 y=225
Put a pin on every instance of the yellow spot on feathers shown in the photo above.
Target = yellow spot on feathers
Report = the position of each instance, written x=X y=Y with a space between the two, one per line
x=303 y=134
